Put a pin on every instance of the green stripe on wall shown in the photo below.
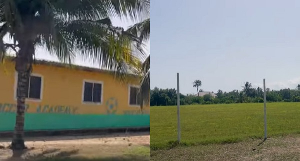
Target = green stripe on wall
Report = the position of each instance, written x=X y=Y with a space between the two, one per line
x=46 y=121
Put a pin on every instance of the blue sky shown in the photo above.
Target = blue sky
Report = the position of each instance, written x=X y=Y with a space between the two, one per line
x=225 y=43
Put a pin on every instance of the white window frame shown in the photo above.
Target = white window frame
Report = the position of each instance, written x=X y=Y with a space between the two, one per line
x=129 y=88
x=102 y=92
x=30 y=99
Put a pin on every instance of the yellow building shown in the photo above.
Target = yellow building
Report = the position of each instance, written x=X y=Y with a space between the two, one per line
x=62 y=98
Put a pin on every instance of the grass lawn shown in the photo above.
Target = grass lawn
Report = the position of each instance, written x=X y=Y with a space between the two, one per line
x=222 y=123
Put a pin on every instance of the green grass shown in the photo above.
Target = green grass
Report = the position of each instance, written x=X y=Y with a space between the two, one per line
x=143 y=151
x=223 y=123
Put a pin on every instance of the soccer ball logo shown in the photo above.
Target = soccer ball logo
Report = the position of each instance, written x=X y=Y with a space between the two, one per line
x=111 y=105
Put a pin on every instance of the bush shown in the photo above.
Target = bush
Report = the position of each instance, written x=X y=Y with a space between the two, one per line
x=259 y=99
x=207 y=98
x=296 y=99
x=228 y=102
x=216 y=100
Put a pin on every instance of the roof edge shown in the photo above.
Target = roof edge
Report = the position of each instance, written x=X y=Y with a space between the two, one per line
x=66 y=65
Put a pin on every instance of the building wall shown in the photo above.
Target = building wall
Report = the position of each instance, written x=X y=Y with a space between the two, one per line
x=201 y=94
x=61 y=106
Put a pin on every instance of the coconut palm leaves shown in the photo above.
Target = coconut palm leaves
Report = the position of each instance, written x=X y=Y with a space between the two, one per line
x=142 y=31
x=197 y=84
x=145 y=83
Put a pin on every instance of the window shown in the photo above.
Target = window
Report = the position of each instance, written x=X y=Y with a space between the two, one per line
x=92 y=92
x=34 y=87
x=133 y=96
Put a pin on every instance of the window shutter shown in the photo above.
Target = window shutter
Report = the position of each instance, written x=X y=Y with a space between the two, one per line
x=35 y=85
x=133 y=96
x=97 y=93
x=88 y=92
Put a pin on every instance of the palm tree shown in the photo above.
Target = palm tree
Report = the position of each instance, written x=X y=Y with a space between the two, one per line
x=197 y=83
x=142 y=31
x=247 y=88
x=298 y=86
x=84 y=28
x=145 y=83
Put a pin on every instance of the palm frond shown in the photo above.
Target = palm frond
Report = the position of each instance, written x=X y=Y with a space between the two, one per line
x=99 y=9
x=130 y=8
x=9 y=14
x=141 y=30
x=144 y=91
x=2 y=50
x=99 y=41
x=146 y=65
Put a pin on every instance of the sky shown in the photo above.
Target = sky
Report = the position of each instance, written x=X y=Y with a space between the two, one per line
x=225 y=44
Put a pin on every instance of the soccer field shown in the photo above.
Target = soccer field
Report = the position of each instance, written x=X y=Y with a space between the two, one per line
x=222 y=123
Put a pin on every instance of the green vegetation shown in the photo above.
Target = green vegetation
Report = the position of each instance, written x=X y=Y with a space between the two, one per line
x=167 y=97
x=221 y=123
x=138 y=151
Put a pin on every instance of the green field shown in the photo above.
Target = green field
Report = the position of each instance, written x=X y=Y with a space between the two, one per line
x=221 y=123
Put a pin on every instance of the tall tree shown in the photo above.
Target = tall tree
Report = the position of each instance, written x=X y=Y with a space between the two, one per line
x=66 y=28
x=219 y=93
x=260 y=92
x=298 y=86
x=247 y=88
x=197 y=84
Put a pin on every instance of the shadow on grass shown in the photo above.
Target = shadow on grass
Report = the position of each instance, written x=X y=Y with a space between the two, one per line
x=169 y=145
x=173 y=144
x=58 y=155
x=262 y=142
x=127 y=158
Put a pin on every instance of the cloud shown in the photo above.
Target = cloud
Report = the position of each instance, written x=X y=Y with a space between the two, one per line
x=292 y=84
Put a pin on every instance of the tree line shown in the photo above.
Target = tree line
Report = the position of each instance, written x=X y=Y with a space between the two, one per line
x=249 y=94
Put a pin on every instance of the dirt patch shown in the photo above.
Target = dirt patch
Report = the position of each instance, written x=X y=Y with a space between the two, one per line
x=81 y=146
x=277 y=148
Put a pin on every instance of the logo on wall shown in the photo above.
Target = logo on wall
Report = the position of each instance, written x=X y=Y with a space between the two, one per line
x=111 y=105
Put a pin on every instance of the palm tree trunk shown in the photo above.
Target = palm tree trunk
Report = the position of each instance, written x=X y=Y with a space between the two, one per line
x=23 y=67
x=197 y=91
x=18 y=138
